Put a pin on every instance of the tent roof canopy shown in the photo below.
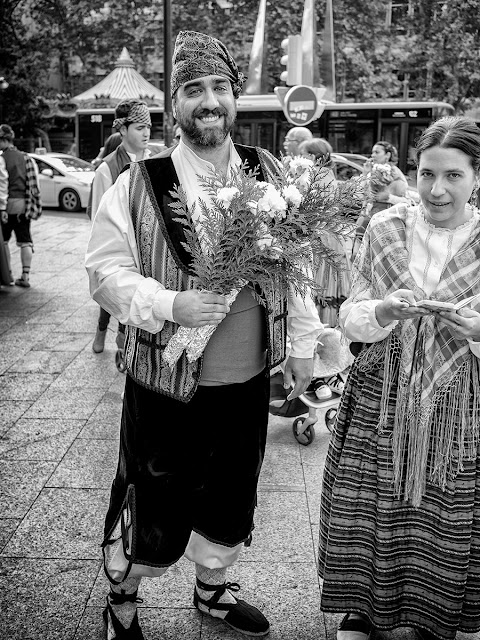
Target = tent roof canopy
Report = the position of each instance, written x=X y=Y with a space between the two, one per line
x=123 y=83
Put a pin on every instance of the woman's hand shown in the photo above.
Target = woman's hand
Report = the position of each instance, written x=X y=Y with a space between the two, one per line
x=463 y=324
x=367 y=166
x=399 y=305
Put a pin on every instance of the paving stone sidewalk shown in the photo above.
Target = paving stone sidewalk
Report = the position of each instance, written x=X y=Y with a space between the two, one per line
x=60 y=408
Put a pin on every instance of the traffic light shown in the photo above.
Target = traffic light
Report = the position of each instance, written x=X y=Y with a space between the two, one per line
x=292 y=59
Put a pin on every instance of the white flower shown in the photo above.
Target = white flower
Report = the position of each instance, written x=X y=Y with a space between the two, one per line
x=265 y=241
x=225 y=195
x=292 y=195
x=272 y=202
x=299 y=164
x=384 y=169
x=303 y=182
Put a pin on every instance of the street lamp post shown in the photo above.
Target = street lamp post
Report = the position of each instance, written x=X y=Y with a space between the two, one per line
x=167 y=66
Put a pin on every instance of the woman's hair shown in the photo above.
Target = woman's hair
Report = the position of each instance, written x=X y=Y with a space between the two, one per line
x=389 y=148
x=379 y=177
x=111 y=143
x=319 y=148
x=452 y=132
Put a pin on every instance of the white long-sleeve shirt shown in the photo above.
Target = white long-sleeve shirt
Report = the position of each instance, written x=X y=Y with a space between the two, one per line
x=112 y=262
x=102 y=180
x=430 y=249
x=3 y=184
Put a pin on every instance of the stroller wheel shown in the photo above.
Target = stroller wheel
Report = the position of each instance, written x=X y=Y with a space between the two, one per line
x=305 y=437
x=119 y=361
x=330 y=417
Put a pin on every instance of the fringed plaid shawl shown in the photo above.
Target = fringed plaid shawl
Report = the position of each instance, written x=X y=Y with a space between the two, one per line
x=437 y=413
x=33 y=205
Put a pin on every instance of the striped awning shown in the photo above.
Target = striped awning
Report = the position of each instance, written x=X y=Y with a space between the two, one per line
x=123 y=83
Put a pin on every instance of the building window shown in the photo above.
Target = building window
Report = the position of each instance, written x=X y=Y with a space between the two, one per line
x=397 y=13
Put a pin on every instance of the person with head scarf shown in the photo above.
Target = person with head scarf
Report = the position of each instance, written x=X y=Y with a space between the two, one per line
x=188 y=464
x=133 y=124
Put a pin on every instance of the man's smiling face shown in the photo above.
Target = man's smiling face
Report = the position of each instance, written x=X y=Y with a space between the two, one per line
x=205 y=109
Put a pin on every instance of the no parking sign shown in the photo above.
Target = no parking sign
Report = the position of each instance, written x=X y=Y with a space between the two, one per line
x=301 y=105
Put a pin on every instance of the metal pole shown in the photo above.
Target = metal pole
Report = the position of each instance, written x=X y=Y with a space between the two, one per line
x=167 y=70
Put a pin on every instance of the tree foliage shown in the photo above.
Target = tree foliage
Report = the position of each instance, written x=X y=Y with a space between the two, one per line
x=51 y=46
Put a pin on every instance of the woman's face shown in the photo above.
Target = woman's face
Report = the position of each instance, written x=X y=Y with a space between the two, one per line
x=379 y=155
x=445 y=181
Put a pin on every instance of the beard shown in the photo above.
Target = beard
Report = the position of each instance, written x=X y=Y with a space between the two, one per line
x=205 y=136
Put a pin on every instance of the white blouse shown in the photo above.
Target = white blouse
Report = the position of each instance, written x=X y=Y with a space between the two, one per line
x=430 y=249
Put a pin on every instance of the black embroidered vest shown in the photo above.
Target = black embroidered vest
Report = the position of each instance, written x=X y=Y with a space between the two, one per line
x=159 y=241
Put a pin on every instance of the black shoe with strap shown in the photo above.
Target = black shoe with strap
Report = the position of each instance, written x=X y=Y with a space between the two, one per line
x=354 y=628
x=422 y=634
x=133 y=632
x=241 y=616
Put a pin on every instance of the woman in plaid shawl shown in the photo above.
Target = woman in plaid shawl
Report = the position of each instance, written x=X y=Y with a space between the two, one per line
x=400 y=510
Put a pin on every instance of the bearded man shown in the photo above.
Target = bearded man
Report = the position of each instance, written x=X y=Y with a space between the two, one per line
x=188 y=465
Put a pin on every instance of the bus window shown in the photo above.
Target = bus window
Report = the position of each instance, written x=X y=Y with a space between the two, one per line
x=351 y=135
x=243 y=133
x=413 y=134
x=391 y=133
x=266 y=136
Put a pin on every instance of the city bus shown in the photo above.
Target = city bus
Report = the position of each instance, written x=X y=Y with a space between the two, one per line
x=349 y=127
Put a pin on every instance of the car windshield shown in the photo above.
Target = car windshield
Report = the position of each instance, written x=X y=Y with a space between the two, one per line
x=346 y=171
x=75 y=164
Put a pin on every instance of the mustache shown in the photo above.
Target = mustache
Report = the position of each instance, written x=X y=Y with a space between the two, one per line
x=218 y=111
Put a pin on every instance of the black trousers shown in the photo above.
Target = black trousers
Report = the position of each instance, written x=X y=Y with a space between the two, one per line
x=189 y=466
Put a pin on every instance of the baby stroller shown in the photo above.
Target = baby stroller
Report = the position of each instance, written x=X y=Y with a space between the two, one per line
x=332 y=360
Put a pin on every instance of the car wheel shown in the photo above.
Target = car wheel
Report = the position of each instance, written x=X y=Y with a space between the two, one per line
x=69 y=200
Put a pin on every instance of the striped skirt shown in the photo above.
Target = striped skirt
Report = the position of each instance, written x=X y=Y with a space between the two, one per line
x=379 y=556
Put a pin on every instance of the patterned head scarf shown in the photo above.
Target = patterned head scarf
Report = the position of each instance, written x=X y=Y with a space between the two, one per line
x=197 y=55
x=138 y=112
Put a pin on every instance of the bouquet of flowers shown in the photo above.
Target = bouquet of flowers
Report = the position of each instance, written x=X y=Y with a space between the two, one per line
x=261 y=235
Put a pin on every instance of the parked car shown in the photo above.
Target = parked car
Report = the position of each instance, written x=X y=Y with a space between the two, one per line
x=354 y=157
x=64 y=180
x=347 y=168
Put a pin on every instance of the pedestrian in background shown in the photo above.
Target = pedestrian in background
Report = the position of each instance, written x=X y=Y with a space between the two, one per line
x=400 y=506
x=292 y=140
x=19 y=202
x=133 y=124
x=335 y=283
x=195 y=496
x=380 y=189
x=110 y=144
x=385 y=153
x=5 y=274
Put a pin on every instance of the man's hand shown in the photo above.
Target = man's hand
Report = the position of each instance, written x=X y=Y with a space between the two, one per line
x=195 y=308
x=299 y=371
x=4 y=216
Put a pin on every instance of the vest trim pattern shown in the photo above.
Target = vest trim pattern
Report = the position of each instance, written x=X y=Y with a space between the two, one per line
x=159 y=240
